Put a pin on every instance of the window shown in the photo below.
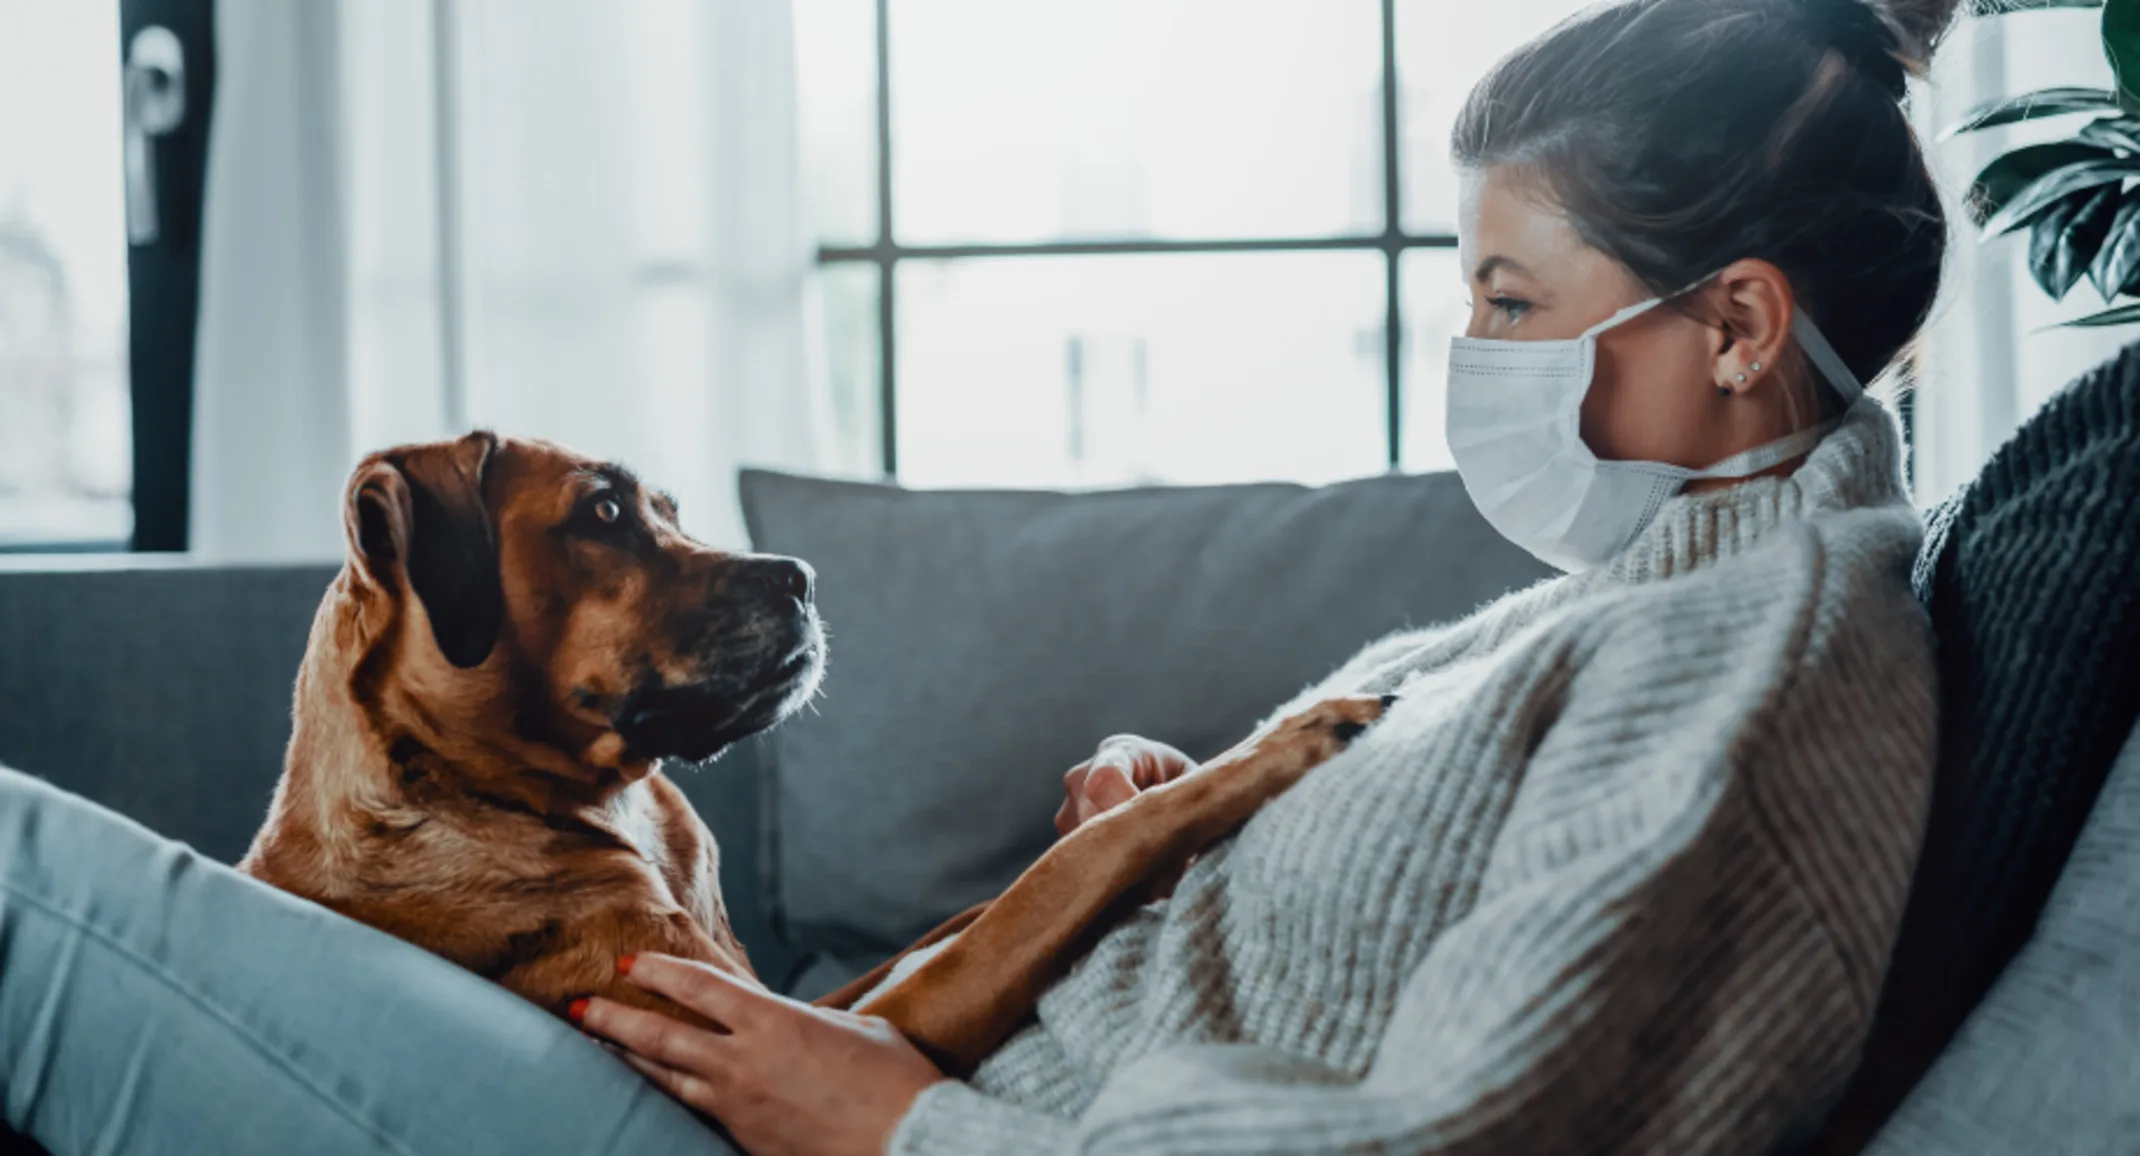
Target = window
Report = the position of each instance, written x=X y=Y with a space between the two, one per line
x=99 y=263
x=1125 y=241
x=65 y=464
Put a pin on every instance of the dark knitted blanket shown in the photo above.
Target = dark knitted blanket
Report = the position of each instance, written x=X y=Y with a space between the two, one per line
x=2032 y=579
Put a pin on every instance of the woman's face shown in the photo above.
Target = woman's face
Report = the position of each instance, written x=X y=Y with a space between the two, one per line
x=1654 y=396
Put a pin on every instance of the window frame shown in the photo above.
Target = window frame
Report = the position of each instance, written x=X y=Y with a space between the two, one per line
x=164 y=286
x=886 y=253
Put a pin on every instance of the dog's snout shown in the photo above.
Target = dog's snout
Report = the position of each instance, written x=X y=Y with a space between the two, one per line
x=783 y=578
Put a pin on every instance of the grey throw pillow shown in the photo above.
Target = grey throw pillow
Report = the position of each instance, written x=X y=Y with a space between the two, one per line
x=2050 y=1061
x=984 y=642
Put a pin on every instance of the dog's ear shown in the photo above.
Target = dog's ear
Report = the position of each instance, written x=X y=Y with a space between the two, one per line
x=420 y=512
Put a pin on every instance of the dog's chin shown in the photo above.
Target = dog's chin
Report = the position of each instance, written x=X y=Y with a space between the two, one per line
x=696 y=721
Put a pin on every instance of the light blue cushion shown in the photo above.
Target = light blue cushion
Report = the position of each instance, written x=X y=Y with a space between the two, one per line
x=2049 y=1063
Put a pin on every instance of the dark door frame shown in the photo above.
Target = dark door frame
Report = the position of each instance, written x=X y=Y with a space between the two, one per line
x=163 y=283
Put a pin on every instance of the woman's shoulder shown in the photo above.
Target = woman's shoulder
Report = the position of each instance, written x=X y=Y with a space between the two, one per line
x=1834 y=586
x=1855 y=560
x=1847 y=554
x=1828 y=600
x=1796 y=585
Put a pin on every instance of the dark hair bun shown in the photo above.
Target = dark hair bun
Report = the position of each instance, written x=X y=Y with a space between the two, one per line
x=1884 y=41
x=1921 y=23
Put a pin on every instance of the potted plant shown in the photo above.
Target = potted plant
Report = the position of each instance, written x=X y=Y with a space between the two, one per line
x=2072 y=195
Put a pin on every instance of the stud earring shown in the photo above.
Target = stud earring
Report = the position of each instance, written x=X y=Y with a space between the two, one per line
x=1723 y=391
x=1756 y=367
x=1741 y=379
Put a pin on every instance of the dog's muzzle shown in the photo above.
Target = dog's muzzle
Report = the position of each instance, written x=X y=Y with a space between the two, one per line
x=695 y=721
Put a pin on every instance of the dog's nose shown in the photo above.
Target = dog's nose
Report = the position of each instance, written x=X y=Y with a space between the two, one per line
x=799 y=579
x=791 y=577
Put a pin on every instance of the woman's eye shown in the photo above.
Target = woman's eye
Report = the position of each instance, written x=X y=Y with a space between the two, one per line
x=1512 y=308
x=607 y=511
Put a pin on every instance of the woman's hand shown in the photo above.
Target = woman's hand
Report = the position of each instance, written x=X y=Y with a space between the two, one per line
x=787 y=1079
x=1123 y=766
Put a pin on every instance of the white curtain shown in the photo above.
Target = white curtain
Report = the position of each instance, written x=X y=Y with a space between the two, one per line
x=571 y=219
x=1992 y=356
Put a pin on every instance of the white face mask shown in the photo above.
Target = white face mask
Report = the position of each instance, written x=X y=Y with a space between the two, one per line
x=1515 y=429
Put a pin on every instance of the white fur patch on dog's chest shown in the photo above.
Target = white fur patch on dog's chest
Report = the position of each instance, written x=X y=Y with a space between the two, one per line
x=632 y=815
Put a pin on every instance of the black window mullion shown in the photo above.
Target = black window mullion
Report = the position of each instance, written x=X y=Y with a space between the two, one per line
x=1393 y=243
x=886 y=255
x=846 y=254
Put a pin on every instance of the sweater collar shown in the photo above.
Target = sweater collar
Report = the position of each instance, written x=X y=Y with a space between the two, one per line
x=1858 y=465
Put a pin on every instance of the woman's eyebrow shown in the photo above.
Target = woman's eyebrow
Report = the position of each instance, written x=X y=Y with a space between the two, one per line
x=1486 y=268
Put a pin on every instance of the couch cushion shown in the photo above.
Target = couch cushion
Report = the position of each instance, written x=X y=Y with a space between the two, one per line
x=2050 y=1061
x=160 y=689
x=983 y=642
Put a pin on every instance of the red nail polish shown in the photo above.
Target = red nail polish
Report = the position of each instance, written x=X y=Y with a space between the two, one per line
x=576 y=1010
x=624 y=964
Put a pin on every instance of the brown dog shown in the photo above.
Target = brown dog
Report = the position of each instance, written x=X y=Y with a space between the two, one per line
x=518 y=635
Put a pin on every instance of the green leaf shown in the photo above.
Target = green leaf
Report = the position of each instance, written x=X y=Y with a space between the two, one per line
x=2035 y=106
x=2117 y=266
x=2120 y=315
x=2121 y=43
x=2112 y=132
x=2055 y=186
x=2065 y=239
x=2086 y=233
x=2000 y=7
x=2015 y=171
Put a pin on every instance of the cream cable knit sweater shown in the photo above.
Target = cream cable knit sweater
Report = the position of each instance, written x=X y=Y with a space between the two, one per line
x=1619 y=873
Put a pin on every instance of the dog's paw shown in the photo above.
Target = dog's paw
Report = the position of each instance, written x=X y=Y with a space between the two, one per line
x=1339 y=721
x=1351 y=727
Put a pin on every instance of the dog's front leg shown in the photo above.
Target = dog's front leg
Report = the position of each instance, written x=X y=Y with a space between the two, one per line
x=970 y=996
x=585 y=962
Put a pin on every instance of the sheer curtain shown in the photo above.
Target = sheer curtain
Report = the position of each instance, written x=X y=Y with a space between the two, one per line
x=1991 y=356
x=571 y=219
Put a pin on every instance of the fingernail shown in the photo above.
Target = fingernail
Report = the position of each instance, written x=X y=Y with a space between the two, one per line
x=624 y=964
x=576 y=1010
x=1388 y=701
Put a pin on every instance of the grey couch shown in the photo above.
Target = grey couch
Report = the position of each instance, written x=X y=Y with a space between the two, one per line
x=981 y=643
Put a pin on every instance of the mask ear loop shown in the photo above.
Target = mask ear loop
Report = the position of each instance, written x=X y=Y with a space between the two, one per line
x=1641 y=307
x=1831 y=366
x=1823 y=355
x=1825 y=359
x=1629 y=313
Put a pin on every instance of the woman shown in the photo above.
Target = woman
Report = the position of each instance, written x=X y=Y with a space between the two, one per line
x=1619 y=873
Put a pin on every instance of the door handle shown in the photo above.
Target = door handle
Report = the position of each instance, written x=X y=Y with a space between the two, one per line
x=155 y=105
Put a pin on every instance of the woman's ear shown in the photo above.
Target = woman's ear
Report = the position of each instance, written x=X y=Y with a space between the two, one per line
x=1753 y=305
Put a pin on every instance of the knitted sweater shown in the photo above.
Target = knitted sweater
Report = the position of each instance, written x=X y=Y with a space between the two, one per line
x=1619 y=872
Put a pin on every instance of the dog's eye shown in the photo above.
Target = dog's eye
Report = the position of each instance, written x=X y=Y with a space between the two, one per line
x=607 y=511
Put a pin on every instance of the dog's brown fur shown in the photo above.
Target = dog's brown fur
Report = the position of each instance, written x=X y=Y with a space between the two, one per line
x=491 y=678
x=488 y=684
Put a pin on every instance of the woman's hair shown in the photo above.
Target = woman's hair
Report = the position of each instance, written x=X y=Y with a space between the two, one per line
x=1682 y=135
